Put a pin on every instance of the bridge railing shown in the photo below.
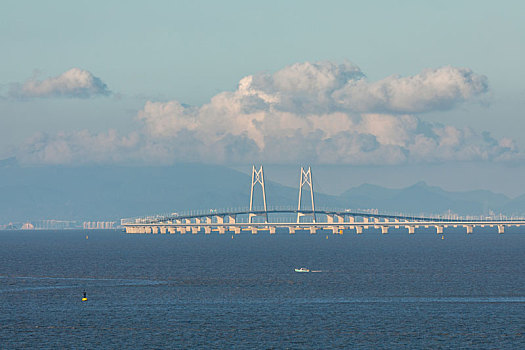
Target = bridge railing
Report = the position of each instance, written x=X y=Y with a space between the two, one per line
x=281 y=213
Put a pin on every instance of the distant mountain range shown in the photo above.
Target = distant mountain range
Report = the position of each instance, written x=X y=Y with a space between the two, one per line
x=112 y=192
x=422 y=198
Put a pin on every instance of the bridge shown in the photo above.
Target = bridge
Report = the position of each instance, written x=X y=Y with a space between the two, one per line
x=336 y=221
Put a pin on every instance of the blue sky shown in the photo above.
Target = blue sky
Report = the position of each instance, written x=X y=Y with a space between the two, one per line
x=191 y=51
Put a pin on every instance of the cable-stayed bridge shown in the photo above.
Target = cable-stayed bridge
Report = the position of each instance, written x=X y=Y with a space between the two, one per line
x=310 y=219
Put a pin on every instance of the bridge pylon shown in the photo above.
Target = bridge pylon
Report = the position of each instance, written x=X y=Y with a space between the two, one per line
x=258 y=179
x=306 y=180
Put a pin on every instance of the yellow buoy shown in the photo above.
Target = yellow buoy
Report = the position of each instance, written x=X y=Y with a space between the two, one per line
x=87 y=237
x=442 y=237
x=84 y=299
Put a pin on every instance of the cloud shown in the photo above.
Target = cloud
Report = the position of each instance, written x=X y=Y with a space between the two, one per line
x=325 y=86
x=80 y=147
x=321 y=113
x=432 y=89
x=74 y=83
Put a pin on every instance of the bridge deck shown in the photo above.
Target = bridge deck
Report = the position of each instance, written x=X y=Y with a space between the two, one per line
x=163 y=219
x=336 y=221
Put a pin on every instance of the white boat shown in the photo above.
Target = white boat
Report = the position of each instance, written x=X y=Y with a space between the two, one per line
x=302 y=269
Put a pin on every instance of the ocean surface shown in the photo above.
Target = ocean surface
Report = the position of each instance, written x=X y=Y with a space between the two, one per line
x=372 y=291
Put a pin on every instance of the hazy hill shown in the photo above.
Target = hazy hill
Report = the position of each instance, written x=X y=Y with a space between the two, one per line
x=421 y=198
x=112 y=192
x=515 y=206
x=31 y=193
x=109 y=192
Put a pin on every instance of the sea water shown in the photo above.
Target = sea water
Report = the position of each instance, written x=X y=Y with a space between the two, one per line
x=214 y=291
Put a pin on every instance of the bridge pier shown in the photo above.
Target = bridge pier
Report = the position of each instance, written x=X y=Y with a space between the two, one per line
x=335 y=222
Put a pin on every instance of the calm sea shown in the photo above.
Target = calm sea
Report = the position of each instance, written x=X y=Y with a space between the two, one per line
x=372 y=291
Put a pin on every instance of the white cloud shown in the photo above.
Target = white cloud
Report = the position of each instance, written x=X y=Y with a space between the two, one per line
x=432 y=89
x=325 y=86
x=307 y=112
x=74 y=83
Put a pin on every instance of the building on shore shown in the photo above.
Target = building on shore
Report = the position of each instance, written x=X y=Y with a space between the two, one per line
x=98 y=225
x=28 y=226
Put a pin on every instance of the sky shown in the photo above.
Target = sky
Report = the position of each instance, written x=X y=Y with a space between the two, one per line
x=388 y=92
